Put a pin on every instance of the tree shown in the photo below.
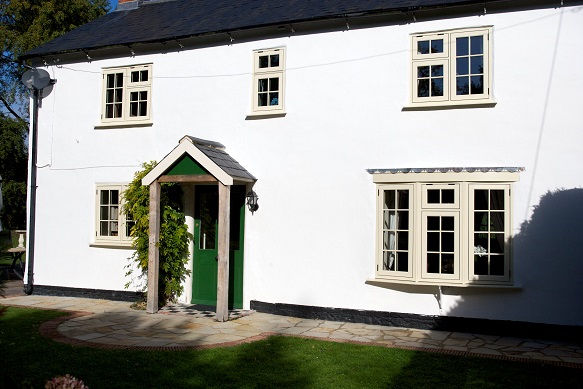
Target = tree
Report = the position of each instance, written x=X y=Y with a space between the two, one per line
x=26 y=24
x=13 y=169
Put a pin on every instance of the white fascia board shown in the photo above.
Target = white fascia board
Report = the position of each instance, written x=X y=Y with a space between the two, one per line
x=186 y=147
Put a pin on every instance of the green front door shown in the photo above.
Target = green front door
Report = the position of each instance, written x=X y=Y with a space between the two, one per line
x=204 y=274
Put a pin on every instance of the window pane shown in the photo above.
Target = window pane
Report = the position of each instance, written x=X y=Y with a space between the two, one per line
x=134 y=96
x=117 y=113
x=274 y=60
x=144 y=95
x=118 y=95
x=448 y=196
x=497 y=265
x=104 y=197
x=447 y=223
x=119 y=80
x=423 y=88
x=437 y=46
x=403 y=240
x=433 y=223
x=109 y=111
x=480 y=221
x=113 y=229
x=114 y=196
x=497 y=243
x=135 y=76
x=388 y=260
x=447 y=242
x=422 y=71
x=113 y=213
x=433 y=241
x=110 y=80
x=109 y=96
x=274 y=98
x=437 y=71
x=462 y=66
x=477 y=63
x=481 y=199
x=403 y=220
x=143 y=108
x=437 y=87
x=477 y=45
x=403 y=261
x=423 y=47
x=497 y=221
x=497 y=200
x=262 y=99
x=103 y=212
x=133 y=109
x=262 y=85
x=447 y=263
x=481 y=243
x=389 y=220
x=389 y=240
x=403 y=196
x=274 y=84
x=389 y=199
x=103 y=231
x=144 y=75
x=477 y=85
x=462 y=85
x=480 y=265
x=432 y=263
x=263 y=61
x=462 y=46
x=433 y=196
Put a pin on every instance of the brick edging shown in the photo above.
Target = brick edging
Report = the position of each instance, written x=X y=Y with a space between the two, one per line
x=49 y=329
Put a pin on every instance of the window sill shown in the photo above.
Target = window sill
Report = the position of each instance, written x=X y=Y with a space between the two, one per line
x=435 y=106
x=105 y=126
x=265 y=115
x=112 y=245
x=444 y=284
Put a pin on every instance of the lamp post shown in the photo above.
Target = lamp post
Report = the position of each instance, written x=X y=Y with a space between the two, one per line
x=35 y=80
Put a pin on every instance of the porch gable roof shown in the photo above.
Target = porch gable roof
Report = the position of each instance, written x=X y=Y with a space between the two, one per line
x=209 y=154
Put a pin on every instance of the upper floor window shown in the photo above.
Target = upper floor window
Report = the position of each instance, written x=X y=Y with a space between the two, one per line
x=451 y=67
x=268 y=80
x=127 y=94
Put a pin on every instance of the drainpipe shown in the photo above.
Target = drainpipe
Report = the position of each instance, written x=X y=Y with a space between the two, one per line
x=32 y=211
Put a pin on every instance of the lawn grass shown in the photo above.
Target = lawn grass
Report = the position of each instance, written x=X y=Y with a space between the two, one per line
x=28 y=360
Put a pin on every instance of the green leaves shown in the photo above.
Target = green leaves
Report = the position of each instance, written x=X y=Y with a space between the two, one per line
x=174 y=235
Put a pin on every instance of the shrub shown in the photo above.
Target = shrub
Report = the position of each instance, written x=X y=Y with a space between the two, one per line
x=174 y=235
x=65 y=382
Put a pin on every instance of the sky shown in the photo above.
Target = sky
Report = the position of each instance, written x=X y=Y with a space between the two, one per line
x=112 y=4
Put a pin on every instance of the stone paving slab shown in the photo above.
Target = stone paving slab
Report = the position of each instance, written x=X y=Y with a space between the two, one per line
x=113 y=324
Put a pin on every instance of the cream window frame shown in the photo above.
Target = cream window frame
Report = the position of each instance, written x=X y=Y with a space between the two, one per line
x=268 y=73
x=464 y=183
x=448 y=59
x=128 y=88
x=122 y=238
x=384 y=228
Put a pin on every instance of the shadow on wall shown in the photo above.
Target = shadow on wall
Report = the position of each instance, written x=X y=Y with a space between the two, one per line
x=548 y=266
x=549 y=256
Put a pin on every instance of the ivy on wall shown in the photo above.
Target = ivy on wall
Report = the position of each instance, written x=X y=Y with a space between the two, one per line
x=174 y=235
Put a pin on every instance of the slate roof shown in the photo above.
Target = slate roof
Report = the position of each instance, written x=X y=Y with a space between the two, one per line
x=165 y=20
x=216 y=153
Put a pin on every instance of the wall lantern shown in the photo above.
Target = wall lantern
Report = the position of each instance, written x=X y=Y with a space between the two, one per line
x=252 y=201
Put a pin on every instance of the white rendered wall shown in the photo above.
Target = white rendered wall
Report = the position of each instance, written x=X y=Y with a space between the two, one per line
x=312 y=240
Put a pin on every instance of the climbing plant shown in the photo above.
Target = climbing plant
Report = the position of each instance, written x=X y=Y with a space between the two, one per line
x=174 y=235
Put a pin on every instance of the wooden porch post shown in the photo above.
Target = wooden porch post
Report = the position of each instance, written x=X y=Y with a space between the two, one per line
x=153 y=251
x=223 y=253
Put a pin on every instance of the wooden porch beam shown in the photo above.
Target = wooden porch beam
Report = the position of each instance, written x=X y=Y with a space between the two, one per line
x=153 y=251
x=223 y=253
x=188 y=178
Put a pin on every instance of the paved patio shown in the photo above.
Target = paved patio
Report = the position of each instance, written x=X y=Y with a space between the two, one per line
x=113 y=324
